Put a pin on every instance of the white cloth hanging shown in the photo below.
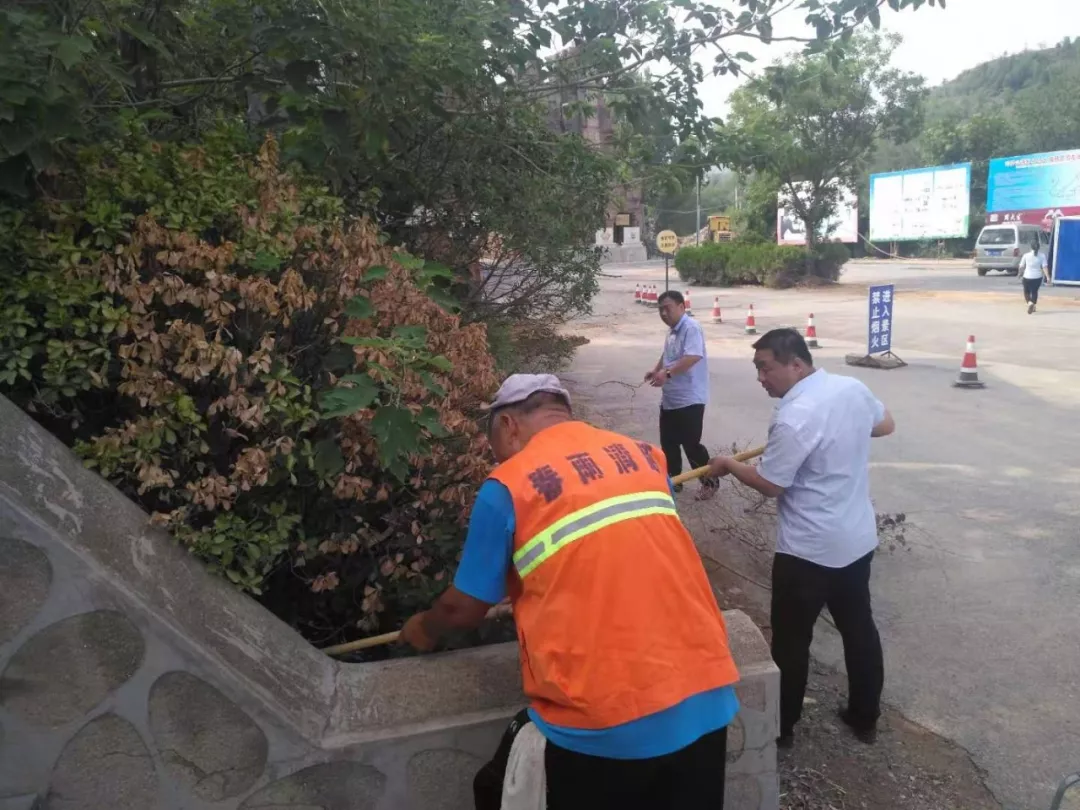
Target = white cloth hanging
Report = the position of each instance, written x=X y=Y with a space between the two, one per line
x=525 y=783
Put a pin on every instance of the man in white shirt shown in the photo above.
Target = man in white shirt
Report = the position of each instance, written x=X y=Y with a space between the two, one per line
x=1033 y=270
x=816 y=463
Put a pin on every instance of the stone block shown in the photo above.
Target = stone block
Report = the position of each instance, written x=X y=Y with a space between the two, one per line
x=442 y=779
x=753 y=761
x=747 y=644
x=331 y=786
x=29 y=802
x=206 y=742
x=79 y=511
x=751 y=694
x=761 y=726
x=752 y=792
x=736 y=740
x=69 y=667
x=104 y=767
x=25 y=577
x=425 y=689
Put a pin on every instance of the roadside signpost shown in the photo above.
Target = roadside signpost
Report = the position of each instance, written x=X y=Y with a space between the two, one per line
x=880 y=325
x=667 y=242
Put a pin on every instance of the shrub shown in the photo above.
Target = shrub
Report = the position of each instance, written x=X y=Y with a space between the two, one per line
x=829 y=260
x=292 y=398
x=530 y=346
x=725 y=264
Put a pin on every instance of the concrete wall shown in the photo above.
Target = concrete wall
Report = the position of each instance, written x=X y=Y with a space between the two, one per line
x=624 y=254
x=130 y=679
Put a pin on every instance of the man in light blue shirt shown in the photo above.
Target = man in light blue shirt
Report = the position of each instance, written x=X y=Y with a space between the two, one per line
x=816 y=463
x=683 y=374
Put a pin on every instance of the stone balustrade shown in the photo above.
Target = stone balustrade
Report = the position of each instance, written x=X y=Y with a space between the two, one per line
x=131 y=678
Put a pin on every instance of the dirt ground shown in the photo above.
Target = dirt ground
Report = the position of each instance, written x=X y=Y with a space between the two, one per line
x=909 y=768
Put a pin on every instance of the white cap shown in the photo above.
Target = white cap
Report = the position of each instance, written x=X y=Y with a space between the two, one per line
x=519 y=387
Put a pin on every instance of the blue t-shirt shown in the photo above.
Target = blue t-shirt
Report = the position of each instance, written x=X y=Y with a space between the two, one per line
x=485 y=565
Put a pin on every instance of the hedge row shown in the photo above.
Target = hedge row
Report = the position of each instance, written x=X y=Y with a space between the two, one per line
x=727 y=264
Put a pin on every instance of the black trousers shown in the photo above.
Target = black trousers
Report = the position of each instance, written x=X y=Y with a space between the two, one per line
x=689 y=779
x=800 y=589
x=1031 y=289
x=680 y=429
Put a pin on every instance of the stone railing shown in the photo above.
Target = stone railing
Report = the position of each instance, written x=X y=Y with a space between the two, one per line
x=131 y=678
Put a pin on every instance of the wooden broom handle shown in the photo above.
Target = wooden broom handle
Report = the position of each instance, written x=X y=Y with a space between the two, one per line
x=700 y=472
x=503 y=609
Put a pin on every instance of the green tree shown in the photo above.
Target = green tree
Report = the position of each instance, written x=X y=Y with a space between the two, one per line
x=1048 y=115
x=812 y=123
x=976 y=138
x=679 y=211
x=756 y=217
x=432 y=116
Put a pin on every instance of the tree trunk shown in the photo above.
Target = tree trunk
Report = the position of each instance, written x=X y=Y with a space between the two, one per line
x=811 y=233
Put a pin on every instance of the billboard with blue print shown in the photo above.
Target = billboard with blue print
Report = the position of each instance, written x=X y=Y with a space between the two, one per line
x=1047 y=183
x=932 y=203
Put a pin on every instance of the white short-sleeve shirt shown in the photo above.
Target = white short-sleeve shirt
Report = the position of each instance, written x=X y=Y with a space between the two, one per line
x=1032 y=265
x=819 y=452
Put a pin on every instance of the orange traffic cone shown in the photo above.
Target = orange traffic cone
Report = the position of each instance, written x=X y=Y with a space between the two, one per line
x=811 y=332
x=751 y=324
x=969 y=371
x=689 y=309
x=716 y=317
x=637 y=293
x=651 y=300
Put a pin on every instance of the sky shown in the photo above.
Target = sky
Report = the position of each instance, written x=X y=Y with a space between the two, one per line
x=938 y=43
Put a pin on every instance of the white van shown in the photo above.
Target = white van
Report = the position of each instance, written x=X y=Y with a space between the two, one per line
x=1000 y=247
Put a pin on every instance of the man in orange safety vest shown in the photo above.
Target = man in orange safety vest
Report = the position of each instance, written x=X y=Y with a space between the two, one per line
x=624 y=652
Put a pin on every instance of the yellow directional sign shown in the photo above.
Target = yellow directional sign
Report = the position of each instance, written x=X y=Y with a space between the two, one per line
x=667 y=242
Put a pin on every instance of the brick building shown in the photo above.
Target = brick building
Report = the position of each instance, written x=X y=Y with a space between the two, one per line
x=621 y=234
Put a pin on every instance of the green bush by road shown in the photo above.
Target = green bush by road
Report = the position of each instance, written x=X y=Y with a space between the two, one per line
x=727 y=264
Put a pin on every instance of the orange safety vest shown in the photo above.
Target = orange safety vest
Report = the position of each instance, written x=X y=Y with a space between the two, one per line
x=615 y=616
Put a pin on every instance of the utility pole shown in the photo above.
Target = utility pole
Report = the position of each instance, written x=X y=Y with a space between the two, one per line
x=697 y=221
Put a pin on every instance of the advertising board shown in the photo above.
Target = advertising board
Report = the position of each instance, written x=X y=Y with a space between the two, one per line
x=843 y=226
x=1033 y=189
x=932 y=203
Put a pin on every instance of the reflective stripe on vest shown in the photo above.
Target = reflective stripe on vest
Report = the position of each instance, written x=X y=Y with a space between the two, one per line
x=586 y=521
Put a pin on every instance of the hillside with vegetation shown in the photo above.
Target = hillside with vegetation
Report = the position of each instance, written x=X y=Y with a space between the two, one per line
x=1027 y=78
x=1013 y=105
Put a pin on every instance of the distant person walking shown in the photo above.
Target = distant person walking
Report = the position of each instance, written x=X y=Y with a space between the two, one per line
x=1033 y=269
x=816 y=463
x=683 y=374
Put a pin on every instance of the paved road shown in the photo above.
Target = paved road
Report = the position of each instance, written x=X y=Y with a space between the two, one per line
x=981 y=618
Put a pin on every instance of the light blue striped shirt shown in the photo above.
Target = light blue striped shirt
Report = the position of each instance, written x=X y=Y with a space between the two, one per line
x=690 y=387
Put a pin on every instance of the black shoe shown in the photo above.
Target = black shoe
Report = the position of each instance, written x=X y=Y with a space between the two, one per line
x=677 y=488
x=863 y=732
